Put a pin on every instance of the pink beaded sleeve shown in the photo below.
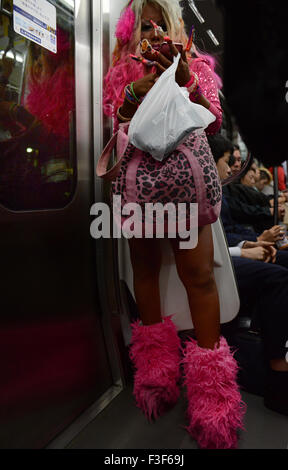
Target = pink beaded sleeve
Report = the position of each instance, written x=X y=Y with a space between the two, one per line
x=209 y=89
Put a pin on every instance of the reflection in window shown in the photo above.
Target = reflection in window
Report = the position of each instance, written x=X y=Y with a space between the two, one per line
x=37 y=112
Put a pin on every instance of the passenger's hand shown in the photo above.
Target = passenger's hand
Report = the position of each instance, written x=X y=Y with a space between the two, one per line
x=259 y=253
x=273 y=253
x=274 y=234
x=249 y=244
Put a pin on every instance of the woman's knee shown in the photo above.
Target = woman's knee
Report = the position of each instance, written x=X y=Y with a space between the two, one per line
x=201 y=277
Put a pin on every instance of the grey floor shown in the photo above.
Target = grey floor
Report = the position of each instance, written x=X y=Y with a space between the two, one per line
x=122 y=426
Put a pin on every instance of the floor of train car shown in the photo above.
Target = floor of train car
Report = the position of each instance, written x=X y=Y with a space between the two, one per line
x=123 y=426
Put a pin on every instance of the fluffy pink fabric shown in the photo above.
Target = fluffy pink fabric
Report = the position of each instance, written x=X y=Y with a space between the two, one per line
x=215 y=408
x=125 y=26
x=52 y=101
x=155 y=352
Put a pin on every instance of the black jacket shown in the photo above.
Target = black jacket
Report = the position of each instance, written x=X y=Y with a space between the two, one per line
x=248 y=206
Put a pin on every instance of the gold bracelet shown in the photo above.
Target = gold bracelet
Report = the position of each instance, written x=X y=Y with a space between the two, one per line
x=122 y=118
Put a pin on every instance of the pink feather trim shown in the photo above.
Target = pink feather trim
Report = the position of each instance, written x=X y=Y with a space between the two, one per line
x=125 y=25
x=215 y=409
x=155 y=352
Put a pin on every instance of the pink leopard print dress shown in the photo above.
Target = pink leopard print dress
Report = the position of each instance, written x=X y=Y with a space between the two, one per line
x=172 y=180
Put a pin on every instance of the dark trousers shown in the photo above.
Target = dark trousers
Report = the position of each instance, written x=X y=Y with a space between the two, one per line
x=263 y=290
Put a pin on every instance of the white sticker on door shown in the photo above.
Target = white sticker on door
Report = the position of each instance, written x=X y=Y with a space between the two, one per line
x=36 y=20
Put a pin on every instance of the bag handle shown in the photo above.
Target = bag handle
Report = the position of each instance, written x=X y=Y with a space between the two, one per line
x=122 y=140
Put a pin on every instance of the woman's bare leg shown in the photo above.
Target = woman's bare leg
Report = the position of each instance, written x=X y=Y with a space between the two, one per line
x=195 y=269
x=145 y=256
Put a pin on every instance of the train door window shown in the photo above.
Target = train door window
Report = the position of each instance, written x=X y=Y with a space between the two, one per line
x=37 y=109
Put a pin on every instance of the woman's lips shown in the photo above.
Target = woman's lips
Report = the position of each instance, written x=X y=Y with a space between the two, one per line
x=157 y=47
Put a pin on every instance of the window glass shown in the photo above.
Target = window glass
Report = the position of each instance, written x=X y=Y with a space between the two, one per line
x=37 y=115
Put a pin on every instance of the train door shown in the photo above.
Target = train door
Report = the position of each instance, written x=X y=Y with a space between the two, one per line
x=54 y=358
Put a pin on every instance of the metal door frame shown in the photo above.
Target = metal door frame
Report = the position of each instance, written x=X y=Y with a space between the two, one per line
x=90 y=30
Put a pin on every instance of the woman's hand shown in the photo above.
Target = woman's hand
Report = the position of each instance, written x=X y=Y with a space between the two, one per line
x=140 y=88
x=144 y=84
x=183 y=74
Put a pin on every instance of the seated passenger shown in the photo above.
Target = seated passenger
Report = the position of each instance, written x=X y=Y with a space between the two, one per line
x=248 y=206
x=263 y=289
x=237 y=231
x=264 y=179
x=255 y=168
x=236 y=167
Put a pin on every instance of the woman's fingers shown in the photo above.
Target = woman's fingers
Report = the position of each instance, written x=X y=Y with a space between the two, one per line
x=160 y=68
x=157 y=57
x=173 y=49
x=184 y=56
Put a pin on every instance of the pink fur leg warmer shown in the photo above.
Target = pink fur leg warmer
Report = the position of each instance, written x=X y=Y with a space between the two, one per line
x=215 y=409
x=155 y=352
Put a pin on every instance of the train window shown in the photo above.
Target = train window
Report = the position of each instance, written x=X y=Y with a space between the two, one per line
x=37 y=110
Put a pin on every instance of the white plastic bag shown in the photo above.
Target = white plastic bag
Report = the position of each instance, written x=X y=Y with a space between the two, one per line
x=166 y=116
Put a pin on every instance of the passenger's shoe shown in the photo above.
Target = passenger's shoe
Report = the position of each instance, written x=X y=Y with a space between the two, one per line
x=155 y=352
x=215 y=408
x=276 y=392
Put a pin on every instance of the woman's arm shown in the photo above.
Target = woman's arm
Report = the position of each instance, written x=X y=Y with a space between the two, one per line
x=140 y=89
x=210 y=95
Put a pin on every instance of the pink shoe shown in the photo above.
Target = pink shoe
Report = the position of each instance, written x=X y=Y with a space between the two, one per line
x=155 y=352
x=215 y=408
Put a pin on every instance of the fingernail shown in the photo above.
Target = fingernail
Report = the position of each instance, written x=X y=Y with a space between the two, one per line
x=149 y=63
x=135 y=57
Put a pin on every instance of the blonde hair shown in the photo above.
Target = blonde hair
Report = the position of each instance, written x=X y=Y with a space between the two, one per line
x=172 y=15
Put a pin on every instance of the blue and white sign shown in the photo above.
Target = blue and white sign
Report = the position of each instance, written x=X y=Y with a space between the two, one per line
x=36 y=20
